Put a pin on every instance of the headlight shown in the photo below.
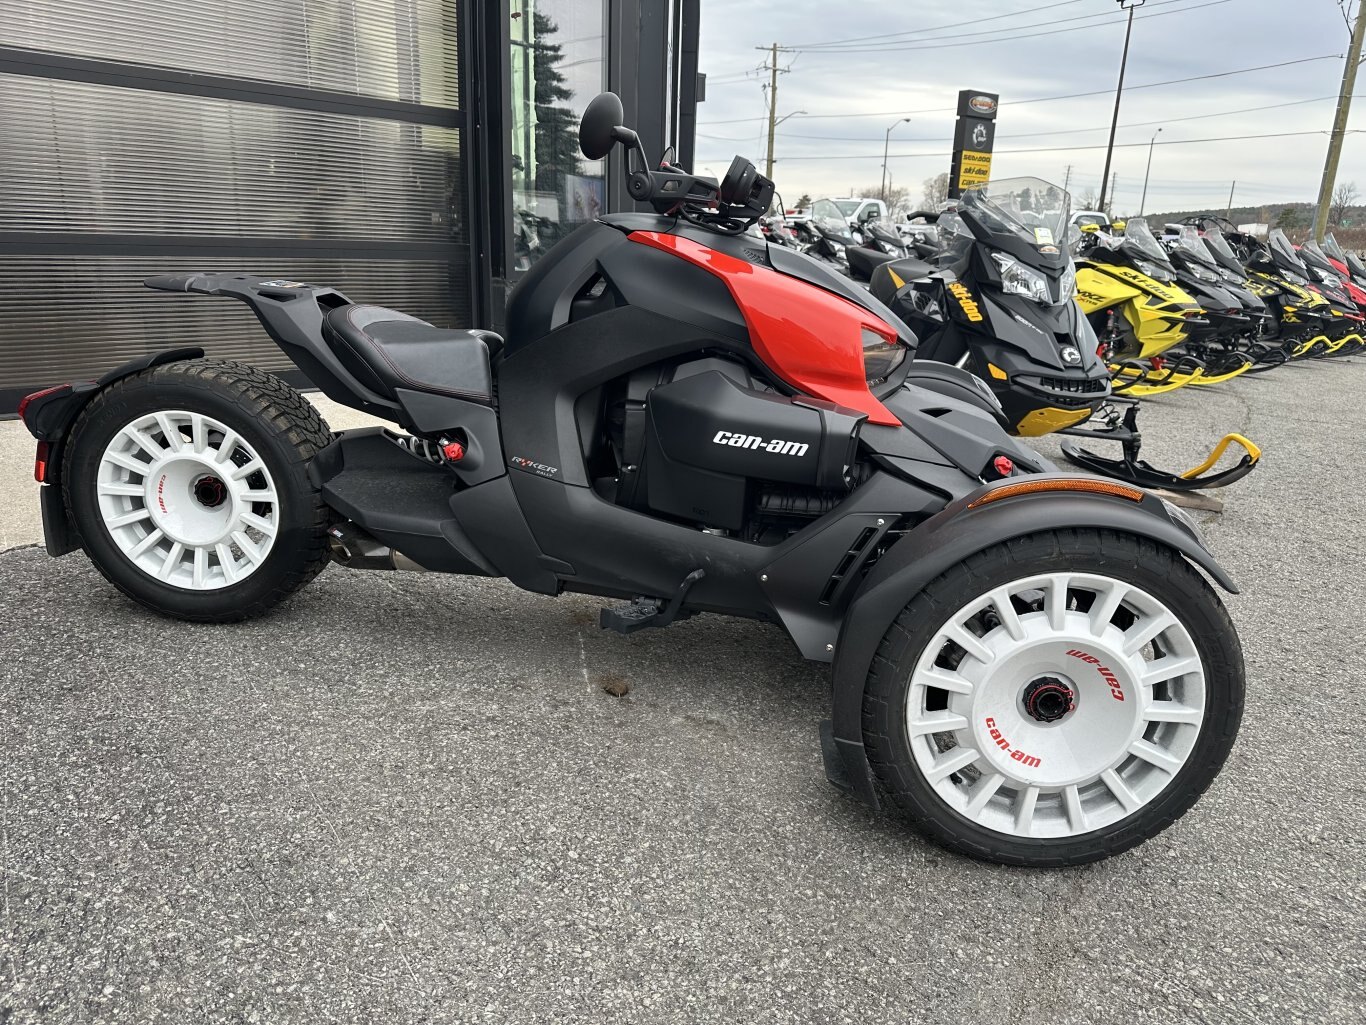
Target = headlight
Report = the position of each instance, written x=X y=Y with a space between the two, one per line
x=1067 y=286
x=1202 y=273
x=1017 y=279
x=1152 y=270
x=880 y=356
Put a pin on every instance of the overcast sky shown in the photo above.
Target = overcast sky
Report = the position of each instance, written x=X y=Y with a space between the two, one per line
x=902 y=62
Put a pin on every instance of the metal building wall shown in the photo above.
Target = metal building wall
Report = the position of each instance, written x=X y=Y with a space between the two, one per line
x=310 y=139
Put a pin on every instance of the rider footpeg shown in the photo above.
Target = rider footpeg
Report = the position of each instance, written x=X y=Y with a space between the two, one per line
x=643 y=612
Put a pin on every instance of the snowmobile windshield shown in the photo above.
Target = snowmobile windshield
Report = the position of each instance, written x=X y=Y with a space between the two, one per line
x=1281 y=247
x=1190 y=243
x=1331 y=247
x=826 y=215
x=1140 y=241
x=1223 y=252
x=1355 y=265
x=1311 y=255
x=1030 y=209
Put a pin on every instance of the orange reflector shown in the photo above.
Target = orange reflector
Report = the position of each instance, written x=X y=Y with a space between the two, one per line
x=1029 y=487
x=40 y=463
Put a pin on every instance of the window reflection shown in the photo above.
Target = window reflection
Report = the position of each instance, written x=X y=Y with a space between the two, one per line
x=558 y=50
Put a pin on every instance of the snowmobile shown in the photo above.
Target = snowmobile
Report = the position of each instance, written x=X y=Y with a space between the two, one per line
x=998 y=301
x=1027 y=665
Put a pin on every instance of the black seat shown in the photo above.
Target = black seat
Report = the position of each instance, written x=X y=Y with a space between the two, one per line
x=387 y=350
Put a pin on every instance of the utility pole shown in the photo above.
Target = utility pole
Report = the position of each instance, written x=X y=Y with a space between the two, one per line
x=772 y=108
x=1228 y=213
x=1067 y=180
x=1124 y=5
x=1330 y=165
x=1143 y=203
x=1114 y=187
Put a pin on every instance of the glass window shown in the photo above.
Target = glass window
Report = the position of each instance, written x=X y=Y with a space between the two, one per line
x=558 y=65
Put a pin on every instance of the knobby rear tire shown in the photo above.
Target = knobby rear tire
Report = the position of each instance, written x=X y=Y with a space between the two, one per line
x=278 y=423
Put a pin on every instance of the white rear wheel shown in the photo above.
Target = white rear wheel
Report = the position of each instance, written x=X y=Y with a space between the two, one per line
x=187 y=500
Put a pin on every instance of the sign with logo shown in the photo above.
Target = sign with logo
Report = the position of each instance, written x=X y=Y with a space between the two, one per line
x=973 y=137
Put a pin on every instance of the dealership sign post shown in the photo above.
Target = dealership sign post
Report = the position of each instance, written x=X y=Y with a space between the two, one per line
x=972 y=140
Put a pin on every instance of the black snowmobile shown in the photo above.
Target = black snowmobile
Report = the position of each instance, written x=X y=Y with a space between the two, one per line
x=1027 y=665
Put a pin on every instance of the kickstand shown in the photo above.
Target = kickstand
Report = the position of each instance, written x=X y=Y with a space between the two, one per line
x=647 y=612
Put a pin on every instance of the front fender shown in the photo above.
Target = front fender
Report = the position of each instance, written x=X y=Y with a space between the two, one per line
x=49 y=418
x=964 y=528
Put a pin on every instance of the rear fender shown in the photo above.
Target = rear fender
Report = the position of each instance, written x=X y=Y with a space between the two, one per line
x=962 y=529
x=49 y=419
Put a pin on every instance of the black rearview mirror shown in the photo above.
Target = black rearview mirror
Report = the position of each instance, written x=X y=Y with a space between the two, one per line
x=597 y=128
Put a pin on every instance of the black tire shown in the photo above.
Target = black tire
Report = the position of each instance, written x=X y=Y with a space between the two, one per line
x=274 y=419
x=1159 y=571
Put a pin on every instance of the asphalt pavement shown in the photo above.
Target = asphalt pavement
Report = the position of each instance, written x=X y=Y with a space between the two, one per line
x=411 y=798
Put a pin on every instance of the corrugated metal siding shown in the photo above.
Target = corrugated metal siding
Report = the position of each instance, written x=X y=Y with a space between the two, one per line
x=70 y=317
x=389 y=49
x=102 y=171
x=76 y=157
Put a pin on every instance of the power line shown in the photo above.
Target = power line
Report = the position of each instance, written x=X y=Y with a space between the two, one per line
x=1061 y=131
x=1011 y=35
x=936 y=28
x=1056 y=149
x=1050 y=99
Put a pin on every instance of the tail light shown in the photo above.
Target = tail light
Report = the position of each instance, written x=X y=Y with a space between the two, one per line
x=40 y=463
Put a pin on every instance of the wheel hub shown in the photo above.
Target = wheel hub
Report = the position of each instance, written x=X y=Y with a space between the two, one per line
x=1048 y=699
x=211 y=491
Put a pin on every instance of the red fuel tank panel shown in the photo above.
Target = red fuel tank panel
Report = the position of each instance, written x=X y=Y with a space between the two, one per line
x=810 y=338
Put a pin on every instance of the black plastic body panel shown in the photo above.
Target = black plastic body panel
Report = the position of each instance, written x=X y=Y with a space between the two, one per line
x=473 y=424
x=951 y=536
x=50 y=419
x=399 y=499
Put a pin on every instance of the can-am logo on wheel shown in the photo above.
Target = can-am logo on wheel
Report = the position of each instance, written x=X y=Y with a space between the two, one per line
x=982 y=104
x=753 y=441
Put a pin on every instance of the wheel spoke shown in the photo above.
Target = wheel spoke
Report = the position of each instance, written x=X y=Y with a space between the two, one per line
x=1147 y=629
x=254 y=556
x=1154 y=755
x=174 y=441
x=201 y=565
x=1169 y=668
x=1025 y=800
x=1171 y=711
x=937 y=722
x=226 y=446
x=1005 y=612
x=951 y=762
x=154 y=536
x=141 y=513
x=128 y=462
x=199 y=434
x=944 y=680
x=145 y=442
x=259 y=522
x=247 y=469
x=983 y=791
x=225 y=560
x=120 y=488
x=1127 y=798
x=969 y=642
x=1055 y=602
x=1105 y=606
x=1076 y=814
x=259 y=496
x=171 y=561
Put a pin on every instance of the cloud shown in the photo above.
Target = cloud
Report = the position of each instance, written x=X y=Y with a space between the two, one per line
x=902 y=63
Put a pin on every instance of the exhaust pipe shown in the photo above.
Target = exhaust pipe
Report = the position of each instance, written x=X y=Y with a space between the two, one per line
x=355 y=549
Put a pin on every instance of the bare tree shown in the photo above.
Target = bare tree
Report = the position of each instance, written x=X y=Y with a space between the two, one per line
x=936 y=192
x=1345 y=196
x=898 y=197
x=1089 y=200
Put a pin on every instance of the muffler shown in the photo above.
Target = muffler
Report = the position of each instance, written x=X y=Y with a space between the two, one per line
x=355 y=549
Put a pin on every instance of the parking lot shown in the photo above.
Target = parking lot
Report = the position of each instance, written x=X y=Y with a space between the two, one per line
x=408 y=798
